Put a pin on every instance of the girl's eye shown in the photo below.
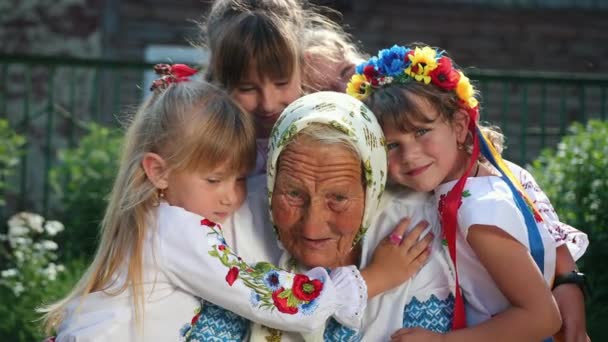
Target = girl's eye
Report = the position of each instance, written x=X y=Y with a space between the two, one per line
x=281 y=83
x=422 y=131
x=245 y=88
x=213 y=180
x=241 y=179
x=392 y=145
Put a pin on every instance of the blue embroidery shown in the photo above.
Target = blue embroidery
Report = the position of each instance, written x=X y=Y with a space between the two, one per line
x=216 y=324
x=433 y=314
x=335 y=332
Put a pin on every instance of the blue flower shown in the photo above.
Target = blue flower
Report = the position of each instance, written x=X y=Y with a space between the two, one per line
x=391 y=62
x=185 y=329
x=310 y=307
x=254 y=298
x=372 y=61
x=271 y=280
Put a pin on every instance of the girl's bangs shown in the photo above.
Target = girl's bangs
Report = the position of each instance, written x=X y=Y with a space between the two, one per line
x=396 y=107
x=259 y=42
x=225 y=136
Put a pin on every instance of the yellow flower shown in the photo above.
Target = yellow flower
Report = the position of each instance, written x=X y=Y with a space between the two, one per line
x=473 y=102
x=358 y=87
x=465 y=91
x=423 y=62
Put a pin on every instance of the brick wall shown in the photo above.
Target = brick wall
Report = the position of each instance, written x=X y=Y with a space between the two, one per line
x=496 y=38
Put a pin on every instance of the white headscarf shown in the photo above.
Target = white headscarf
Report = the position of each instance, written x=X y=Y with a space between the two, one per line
x=347 y=115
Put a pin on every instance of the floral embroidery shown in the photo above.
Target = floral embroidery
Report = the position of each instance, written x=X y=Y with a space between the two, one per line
x=186 y=330
x=465 y=193
x=272 y=288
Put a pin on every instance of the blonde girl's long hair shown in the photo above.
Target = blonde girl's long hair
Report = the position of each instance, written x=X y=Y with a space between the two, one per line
x=193 y=126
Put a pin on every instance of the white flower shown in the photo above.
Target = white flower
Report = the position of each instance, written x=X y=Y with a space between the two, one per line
x=17 y=220
x=19 y=256
x=17 y=230
x=35 y=222
x=11 y=272
x=18 y=289
x=50 y=272
x=286 y=279
x=19 y=241
x=53 y=227
x=49 y=245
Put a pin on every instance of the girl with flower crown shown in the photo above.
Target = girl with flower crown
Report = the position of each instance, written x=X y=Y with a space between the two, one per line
x=330 y=55
x=503 y=257
x=182 y=174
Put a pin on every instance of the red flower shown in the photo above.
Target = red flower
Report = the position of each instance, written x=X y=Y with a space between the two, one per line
x=221 y=247
x=281 y=303
x=233 y=273
x=182 y=71
x=306 y=289
x=208 y=223
x=445 y=76
x=195 y=318
x=370 y=72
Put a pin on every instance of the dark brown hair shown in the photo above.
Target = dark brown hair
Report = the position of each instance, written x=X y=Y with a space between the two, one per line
x=243 y=38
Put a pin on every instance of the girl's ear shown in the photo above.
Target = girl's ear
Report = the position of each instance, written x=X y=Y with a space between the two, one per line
x=461 y=125
x=155 y=168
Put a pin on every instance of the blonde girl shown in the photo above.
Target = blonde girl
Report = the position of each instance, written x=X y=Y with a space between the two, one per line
x=182 y=174
x=503 y=262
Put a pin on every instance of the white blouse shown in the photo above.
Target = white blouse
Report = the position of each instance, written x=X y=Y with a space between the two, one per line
x=187 y=257
x=426 y=300
x=489 y=201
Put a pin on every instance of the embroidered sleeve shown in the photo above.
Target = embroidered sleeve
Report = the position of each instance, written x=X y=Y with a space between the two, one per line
x=197 y=259
x=562 y=233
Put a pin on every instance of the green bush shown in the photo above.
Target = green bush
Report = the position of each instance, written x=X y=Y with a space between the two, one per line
x=82 y=181
x=575 y=177
x=30 y=275
x=10 y=151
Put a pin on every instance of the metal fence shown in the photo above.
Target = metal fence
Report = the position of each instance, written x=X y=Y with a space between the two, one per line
x=48 y=100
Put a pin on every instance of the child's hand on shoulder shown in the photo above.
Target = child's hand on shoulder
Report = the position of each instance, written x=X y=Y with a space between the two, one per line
x=416 y=335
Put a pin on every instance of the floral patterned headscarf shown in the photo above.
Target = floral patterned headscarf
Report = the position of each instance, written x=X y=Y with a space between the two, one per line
x=347 y=115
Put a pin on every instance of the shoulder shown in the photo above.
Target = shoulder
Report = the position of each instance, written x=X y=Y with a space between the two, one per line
x=489 y=201
x=171 y=216
x=398 y=204
x=404 y=199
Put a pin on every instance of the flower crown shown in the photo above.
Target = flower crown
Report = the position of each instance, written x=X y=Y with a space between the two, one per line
x=401 y=64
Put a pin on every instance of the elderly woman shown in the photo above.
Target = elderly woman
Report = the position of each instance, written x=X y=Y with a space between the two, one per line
x=326 y=177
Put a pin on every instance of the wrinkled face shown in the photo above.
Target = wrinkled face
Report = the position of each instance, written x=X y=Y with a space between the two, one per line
x=266 y=98
x=318 y=202
x=214 y=195
x=324 y=74
x=428 y=155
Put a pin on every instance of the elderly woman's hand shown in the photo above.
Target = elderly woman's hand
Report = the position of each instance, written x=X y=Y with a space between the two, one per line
x=396 y=258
